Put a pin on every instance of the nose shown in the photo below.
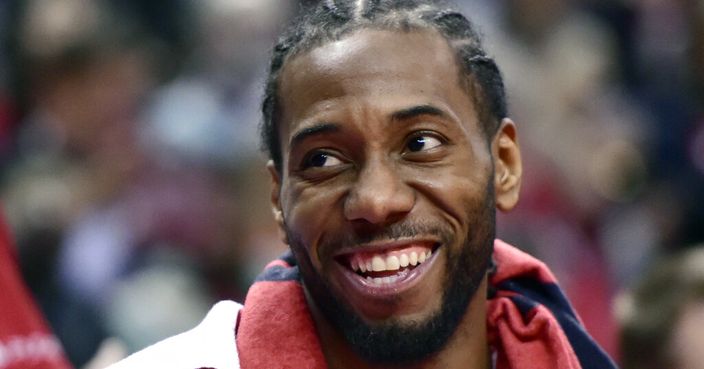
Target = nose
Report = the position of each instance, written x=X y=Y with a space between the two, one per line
x=379 y=195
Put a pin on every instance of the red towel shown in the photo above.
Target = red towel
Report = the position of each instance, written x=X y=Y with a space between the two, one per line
x=524 y=341
x=531 y=325
x=25 y=339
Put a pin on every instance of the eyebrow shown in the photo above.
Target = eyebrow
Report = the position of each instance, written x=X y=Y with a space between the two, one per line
x=418 y=110
x=404 y=114
x=317 y=129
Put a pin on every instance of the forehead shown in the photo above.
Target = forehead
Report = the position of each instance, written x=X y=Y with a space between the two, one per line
x=374 y=67
x=372 y=51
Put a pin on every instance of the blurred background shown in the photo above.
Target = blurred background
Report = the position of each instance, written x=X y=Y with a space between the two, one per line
x=131 y=175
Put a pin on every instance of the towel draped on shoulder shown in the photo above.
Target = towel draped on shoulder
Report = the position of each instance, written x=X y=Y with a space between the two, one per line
x=531 y=324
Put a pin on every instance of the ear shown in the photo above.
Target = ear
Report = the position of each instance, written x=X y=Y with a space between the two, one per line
x=276 y=200
x=507 y=165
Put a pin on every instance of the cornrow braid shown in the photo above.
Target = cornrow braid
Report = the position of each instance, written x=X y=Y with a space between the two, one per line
x=331 y=7
x=330 y=20
x=372 y=5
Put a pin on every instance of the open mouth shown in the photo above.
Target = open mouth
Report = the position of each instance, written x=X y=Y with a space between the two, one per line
x=388 y=266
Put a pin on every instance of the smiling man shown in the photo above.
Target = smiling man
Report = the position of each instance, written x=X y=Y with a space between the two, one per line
x=391 y=150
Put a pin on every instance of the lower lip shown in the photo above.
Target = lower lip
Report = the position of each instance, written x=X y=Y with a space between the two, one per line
x=406 y=280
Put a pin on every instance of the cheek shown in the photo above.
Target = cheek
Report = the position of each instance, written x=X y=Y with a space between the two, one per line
x=456 y=192
x=310 y=214
x=468 y=184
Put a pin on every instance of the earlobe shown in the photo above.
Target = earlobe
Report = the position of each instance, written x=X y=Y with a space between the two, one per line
x=508 y=168
x=276 y=200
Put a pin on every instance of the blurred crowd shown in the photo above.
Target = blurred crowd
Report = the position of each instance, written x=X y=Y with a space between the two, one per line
x=131 y=175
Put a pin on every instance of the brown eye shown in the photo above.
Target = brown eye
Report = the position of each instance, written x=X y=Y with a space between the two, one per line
x=321 y=159
x=422 y=142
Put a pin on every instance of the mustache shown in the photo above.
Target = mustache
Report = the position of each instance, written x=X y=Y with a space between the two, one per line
x=392 y=232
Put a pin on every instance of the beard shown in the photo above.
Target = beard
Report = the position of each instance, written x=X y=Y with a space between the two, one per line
x=394 y=342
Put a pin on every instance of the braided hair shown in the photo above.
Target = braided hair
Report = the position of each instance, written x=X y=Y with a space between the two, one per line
x=330 y=20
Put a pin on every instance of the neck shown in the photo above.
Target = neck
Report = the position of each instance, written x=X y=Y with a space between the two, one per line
x=467 y=348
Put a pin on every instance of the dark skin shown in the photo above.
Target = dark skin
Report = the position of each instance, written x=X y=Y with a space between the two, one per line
x=376 y=129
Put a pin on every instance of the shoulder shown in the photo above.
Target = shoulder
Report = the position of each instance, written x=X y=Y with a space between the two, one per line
x=210 y=344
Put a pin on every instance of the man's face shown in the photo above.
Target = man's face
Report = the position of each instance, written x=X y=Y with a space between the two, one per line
x=385 y=167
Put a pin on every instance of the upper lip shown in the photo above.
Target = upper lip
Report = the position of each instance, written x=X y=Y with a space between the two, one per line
x=385 y=245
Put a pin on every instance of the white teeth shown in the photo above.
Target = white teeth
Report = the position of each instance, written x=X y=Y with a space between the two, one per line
x=383 y=280
x=413 y=259
x=392 y=263
x=403 y=260
x=378 y=264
